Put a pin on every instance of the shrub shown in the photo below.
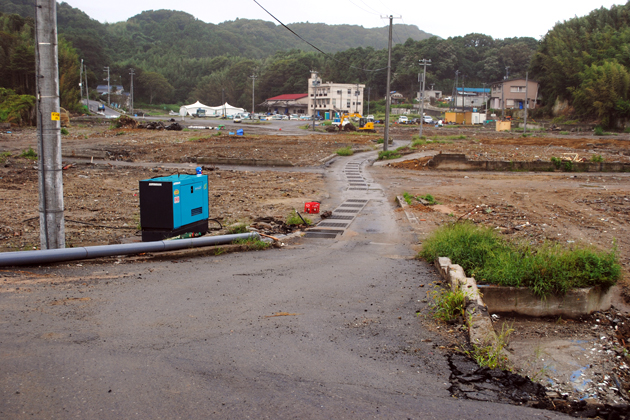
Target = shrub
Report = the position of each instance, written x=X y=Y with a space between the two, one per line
x=408 y=197
x=599 y=131
x=597 y=158
x=64 y=131
x=556 y=162
x=345 y=151
x=429 y=198
x=550 y=268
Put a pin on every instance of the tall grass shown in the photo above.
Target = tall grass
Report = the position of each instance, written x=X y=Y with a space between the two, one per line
x=548 y=269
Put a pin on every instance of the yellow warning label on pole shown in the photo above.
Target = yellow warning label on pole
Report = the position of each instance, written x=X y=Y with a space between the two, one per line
x=54 y=116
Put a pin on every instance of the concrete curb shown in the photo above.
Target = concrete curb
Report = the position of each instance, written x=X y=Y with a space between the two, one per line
x=480 y=329
x=327 y=158
x=413 y=220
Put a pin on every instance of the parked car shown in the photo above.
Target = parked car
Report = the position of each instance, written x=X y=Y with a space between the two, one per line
x=403 y=120
x=285 y=117
x=238 y=118
x=415 y=121
x=276 y=117
x=294 y=117
x=305 y=117
x=370 y=118
x=427 y=119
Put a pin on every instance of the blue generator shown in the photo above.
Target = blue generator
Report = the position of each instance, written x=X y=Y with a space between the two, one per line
x=173 y=205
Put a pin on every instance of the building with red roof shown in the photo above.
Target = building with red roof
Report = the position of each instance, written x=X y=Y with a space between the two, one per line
x=291 y=103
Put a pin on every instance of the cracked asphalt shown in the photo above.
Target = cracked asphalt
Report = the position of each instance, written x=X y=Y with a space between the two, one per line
x=322 y=328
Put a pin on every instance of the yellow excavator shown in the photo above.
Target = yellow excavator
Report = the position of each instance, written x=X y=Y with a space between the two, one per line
x=364 y=124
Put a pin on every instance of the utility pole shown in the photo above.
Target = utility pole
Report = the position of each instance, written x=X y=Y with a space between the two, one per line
x=507 y=75
x=253 y=77
x=356 y=100
x=485 y=107
x=108 y=89
x=223 y=102
x=81 y=81
x=132 y=72
x=368 y=111
x=389 y=80
x=454 y=93
x=425 y=63
x=464 y=96
x=51 y=216
x=87 y=91
x=526 y=102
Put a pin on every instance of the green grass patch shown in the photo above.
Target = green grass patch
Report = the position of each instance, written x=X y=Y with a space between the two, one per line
x=564 y=133
x=389 y=154
x=599 y=131
x=448 y=305
x=408 y=197
x=4 y=156
x=547 y=269
x=460 y=137
x=345 y=151
x=380 y=141
x=295 y=219
x=29 y=154
x=64 y=131
x=491 y=355
x=597 y=158
x=252 y=243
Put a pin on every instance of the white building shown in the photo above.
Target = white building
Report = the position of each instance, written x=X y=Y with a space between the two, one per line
x=333 y=97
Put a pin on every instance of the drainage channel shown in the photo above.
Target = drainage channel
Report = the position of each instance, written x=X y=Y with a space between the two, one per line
x=343 y=216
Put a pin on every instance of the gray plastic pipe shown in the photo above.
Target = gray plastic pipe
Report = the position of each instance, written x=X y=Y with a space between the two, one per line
x=69 y=254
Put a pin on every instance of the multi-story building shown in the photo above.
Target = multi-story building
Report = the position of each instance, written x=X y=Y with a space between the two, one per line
x=510 y=94
x=333 y=97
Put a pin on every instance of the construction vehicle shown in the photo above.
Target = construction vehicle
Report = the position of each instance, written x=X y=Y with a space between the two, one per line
x=364 y=124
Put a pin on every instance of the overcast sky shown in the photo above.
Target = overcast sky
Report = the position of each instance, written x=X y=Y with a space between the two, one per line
x=452 y=18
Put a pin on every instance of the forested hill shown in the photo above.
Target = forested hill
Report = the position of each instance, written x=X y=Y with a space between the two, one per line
x=154 y=35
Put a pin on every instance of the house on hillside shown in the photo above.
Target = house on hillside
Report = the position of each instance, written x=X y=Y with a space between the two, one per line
x=510 y=94
x=333 y=97
x=396 y=98
x=292 y=103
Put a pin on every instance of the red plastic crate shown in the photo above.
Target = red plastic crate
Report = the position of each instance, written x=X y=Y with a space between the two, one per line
x=311 y=207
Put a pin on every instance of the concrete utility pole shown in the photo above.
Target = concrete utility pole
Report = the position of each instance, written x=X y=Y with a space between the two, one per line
x=464 y=96
x=368 y=111
x=389 y=80
x=507 y=75
x=51 y=219
x=132 y=72
x=223 y=102
x=81 y=81
x=108 y=88
x=425 y=63
x=454 y=93
x=484 y=97
x=526 y=102
x=253 y=77
x=356 y=99
x=87 y=91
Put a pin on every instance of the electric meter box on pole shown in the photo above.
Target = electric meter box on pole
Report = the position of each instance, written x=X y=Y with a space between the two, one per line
x=173 y=205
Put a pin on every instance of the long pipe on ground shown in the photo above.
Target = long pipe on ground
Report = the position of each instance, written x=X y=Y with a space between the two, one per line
x=69 y=254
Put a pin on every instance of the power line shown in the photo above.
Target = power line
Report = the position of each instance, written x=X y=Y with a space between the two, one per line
x=316 y=48
x=371 y=7
x=366 y=11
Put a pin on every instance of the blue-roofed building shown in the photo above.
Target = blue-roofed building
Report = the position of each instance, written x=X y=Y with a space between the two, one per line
x=472 y=97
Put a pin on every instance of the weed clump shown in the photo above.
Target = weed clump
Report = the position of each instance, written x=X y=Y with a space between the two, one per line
x=295 y=219
x=389 y=154
x=29 y=154
x=448 y=305
x=253 y=243
x=345 y=151
x=548 y=269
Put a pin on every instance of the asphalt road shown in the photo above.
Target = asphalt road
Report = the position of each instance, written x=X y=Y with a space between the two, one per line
x=321 y=329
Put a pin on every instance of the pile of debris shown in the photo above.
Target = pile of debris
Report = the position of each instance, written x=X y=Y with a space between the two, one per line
x=272 y=225
x=126 y=122
x=159 y=125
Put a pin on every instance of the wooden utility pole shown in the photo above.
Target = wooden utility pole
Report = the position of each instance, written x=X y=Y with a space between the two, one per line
x=51 y=219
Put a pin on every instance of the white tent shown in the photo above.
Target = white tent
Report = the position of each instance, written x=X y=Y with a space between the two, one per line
x=227 y=109
x=211 y=111
x=185 y=110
